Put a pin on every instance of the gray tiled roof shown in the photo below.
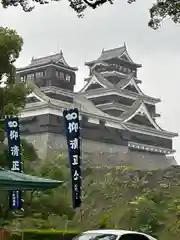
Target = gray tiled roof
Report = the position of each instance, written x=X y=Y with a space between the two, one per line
x=118 y=74
x=113 y=104
x=45 y=98
x=55 y=58
x=111 y=53
x=108 y=84
x=103 y=80
x=108 y=54
x=124 y=81
x=88 y=107
x=132 y=110
x=44 y=60
x=79 y=101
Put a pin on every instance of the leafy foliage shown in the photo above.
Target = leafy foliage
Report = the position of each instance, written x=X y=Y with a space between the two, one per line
x=12 y=99
x=121 y=198
x=160 y=10
x=164 y=9
x=10 y=47
x=13 y=94
x=41 y=209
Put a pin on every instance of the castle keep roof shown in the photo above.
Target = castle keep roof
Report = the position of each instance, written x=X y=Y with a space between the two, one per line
x=57 y=59
x=120 y=52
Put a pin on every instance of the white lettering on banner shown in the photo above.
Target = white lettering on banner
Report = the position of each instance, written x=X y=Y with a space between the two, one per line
x=15 y=151
x=12 y=124
x=76 y=188
x=71 y=116
x=14 y=199
x=74 y=143
x=73 y=127
x=76 y=175
x=15 y=166
x=75 y=160
x=13 y=135
x=76 y=191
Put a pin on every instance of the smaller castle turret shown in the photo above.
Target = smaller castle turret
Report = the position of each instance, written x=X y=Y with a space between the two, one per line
x=52 y=75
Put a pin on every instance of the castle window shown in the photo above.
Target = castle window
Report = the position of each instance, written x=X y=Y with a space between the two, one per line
x=45 y=72
x=23 y=79
x=39 y=74
x=61 y=76
x=134 y=72
x=30 y=76
x=57 y=73
x=48 y=82
x=120 y=68
x=68 y=77
x=129 y=70
x=125 y=70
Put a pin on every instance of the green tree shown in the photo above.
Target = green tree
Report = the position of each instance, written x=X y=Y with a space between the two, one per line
x=51 y=208
x=29 y=156
x=13 y=94
x=160 y=10
x=147 y=213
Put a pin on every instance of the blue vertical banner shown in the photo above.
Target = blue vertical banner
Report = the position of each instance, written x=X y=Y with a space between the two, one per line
x=14 y=146
x=72 y=124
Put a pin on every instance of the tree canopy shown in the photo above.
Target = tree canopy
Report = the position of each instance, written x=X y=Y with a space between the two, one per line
x=12 y=93
x=160 y=10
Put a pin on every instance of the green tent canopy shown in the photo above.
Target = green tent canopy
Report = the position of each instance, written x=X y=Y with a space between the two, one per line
x=10 y=180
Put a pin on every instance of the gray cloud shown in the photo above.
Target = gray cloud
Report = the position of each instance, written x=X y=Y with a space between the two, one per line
x=51 y=28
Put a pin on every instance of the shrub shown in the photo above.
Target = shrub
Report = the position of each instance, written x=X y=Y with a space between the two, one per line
x=46 y=234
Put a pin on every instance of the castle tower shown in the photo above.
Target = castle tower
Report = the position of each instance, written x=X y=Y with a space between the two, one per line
x=113 y=87
x=52 y=75
x=118 y=121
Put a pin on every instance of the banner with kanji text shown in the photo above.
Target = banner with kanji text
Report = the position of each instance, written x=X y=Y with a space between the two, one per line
x=13 y=136
x=72 y=124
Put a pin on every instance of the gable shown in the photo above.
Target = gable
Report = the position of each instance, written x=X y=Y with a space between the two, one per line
x=141 y=120
x=33 y=98
x=131 y=88
x=124 y=57
x=140 y=116
x=61 y=62
x=114 y=79
x=95 y=83
x=94 y=86
x=113 y=112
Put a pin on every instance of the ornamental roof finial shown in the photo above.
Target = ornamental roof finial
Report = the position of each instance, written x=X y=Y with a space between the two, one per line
x=61 y=52
x=102 y=50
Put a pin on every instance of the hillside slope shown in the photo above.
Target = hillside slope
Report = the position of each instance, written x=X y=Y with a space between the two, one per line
x=113 y=197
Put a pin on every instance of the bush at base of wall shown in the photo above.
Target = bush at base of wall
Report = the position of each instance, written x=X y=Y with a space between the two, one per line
x=48 y=234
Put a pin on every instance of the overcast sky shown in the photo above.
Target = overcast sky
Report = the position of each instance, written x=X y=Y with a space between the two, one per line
x=50 y=28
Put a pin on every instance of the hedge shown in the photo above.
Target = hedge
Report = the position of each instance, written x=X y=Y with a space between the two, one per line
x=48 y=234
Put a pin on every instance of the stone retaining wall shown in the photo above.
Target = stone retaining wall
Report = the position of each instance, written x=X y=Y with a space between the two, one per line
x=48 y=145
